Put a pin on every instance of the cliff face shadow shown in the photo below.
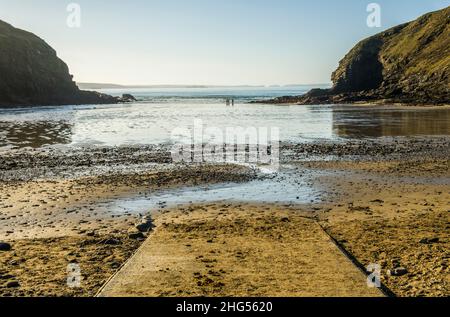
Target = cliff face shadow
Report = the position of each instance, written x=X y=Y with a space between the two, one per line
x=361 y=69
x=34 y=134
x=390 y=122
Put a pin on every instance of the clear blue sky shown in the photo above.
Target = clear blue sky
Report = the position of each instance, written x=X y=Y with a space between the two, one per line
x=207 y=41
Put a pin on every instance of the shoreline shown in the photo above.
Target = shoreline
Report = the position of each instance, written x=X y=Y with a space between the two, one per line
x=391 y=105
x=387 y=104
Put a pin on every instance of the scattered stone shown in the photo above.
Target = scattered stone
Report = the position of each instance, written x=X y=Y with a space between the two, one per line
x=6 y=277
x=5 y=246
x=115 y=265
x=136 y=235
x=429 y=240
x=12 y=284
x=145 y=226
x=112 y=241
x=399 y=271
x=360 y=209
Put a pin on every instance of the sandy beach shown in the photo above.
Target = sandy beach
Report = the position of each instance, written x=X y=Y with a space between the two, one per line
x=384 y=203
x=400 y=223
x=203 y=151
x=53 y=223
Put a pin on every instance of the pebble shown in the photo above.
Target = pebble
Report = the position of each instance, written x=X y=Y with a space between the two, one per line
x=136 y=235
x=12 y=284
x=145 y=226
x=5 y=246
x=6 y=277
x=112 y=241
x=115 y=265
x=429 y=240
x=399 y=271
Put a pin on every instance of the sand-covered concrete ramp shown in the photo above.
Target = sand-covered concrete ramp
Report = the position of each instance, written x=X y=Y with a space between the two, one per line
x=238 y=250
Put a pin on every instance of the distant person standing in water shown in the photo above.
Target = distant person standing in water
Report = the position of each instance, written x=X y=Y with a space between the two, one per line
x=232 y=102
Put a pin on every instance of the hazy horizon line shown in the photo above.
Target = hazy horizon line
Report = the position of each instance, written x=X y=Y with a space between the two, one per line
x=113 y=85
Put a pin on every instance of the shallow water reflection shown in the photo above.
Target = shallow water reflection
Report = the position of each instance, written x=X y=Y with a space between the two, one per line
x=289 y=186
x=153 y=123
x=358 y=123
x=34 y=134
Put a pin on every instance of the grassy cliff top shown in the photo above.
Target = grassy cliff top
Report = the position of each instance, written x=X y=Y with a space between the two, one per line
x=409 y=56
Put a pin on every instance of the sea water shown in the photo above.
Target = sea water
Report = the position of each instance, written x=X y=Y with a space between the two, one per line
x=159 y=112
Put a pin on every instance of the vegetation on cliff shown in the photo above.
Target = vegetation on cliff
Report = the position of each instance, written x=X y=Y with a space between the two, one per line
x=409 y=63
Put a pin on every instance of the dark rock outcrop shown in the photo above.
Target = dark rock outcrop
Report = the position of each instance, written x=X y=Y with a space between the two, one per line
x=127 y=98
x=408 y=64
x=31 y=74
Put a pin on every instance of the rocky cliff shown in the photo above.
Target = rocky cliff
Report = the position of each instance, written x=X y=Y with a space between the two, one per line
x=408 y=64
x=32 y=74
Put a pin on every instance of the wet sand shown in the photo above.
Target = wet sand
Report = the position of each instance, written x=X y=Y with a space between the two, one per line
x=40 y=267
x=386 y=202
x=53 y=223
x=388 y=213
x=395 y=215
